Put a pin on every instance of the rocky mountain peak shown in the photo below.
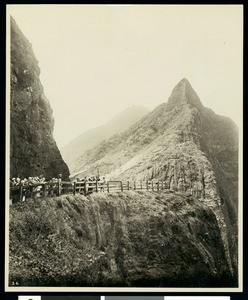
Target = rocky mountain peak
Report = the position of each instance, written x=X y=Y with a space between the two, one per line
x=184 y=82
x=189 y=147
x=182 y=94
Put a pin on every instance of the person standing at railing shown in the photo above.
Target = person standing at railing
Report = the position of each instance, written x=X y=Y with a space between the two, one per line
x=103 y=182
x=14 y=192
x=24 y=184
x=13 y=182
x=59 y=184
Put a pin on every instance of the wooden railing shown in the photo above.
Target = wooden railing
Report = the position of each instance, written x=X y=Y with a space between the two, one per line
x=47 y=189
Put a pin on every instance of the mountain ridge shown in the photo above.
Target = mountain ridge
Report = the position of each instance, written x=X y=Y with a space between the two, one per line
x=92 y=137
x=183 y=93
x=180 y=117
x=186 y=145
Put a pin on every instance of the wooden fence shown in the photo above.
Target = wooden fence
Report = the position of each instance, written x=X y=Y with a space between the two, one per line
x=47 y=189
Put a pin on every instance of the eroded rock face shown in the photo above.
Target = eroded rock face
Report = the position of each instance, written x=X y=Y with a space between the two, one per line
x=188 y=146
x=33 y=150
x=119 y=239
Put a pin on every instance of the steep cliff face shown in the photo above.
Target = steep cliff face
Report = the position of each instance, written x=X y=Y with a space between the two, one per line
x=33 y=150
x=188 y=146
x=120 y=239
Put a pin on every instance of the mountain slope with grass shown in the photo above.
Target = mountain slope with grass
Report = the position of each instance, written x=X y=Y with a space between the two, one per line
x=185 y=144
x=119 y=239
x=89 y=139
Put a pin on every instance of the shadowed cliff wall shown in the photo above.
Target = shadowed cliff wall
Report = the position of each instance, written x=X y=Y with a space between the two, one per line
x=33 y=150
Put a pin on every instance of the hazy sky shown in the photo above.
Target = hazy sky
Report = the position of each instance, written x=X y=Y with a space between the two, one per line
x=97 y=60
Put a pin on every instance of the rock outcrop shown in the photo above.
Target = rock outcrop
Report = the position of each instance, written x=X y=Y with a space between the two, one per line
x=188 y=146
x=33 y=150
x=127 y=239
x=89 y=139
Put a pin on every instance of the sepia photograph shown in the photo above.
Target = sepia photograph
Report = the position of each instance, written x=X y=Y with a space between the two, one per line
x=124 y=148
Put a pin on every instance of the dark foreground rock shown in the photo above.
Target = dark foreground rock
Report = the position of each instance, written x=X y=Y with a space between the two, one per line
x=33 y=150
x=121 y=239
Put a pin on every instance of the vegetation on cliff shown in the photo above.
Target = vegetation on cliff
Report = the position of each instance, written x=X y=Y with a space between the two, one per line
x=121 y=239
x=185 y=144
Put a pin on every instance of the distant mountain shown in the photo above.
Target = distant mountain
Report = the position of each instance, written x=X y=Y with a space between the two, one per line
x=89 y=139
x=185 y=144
x=33 y=150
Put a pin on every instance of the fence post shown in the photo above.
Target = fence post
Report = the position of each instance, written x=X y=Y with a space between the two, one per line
x=43 y=190
x=162 y=187
x=20 y=199
x=165 y=185
x=147 y=186
x=31 y=191
x=74 y=188
x=152 y=186
x=141 y=184
x=108 y=187
x=134 y=185
x=58 y=188
x=96 y=186
x=158 y=186
x=85 y=187
x=128 y=185
x=121 y=187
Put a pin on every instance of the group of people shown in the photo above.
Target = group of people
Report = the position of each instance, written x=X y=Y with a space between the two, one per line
x=32 y=187
x=27 y=181
x=88 y=184
x=91 y=179
x=16 y=181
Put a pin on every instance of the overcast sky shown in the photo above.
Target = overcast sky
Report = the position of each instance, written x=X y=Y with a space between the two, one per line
x=97 y=60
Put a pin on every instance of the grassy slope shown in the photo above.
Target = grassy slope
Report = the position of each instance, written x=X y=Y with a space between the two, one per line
x=123 y=239
x=87 y=140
